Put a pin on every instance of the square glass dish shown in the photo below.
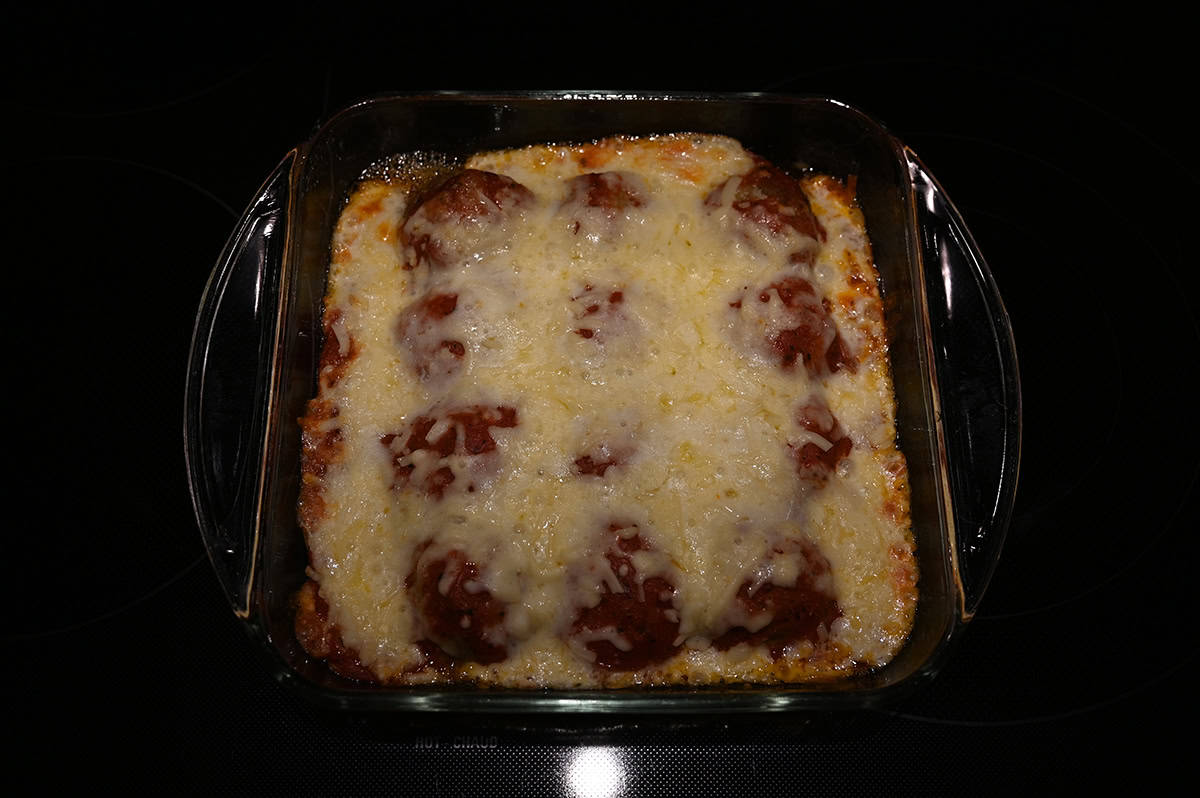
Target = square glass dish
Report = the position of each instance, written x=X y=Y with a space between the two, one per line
x=257 y=338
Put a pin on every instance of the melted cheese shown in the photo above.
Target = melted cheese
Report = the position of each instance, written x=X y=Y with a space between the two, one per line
x=674 y=384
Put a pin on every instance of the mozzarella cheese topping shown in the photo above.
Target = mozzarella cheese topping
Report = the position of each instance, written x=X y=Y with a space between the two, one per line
x=591 y=387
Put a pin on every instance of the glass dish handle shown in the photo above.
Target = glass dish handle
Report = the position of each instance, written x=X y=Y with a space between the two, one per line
x=225 y=408
x=980 y=391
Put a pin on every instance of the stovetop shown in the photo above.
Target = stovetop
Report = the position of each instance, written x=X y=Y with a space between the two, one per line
x=137 y=149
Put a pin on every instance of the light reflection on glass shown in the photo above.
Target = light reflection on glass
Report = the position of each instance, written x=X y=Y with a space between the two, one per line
x=595 y=772
x=947 y=280
x=931 y=195
x=268 y=228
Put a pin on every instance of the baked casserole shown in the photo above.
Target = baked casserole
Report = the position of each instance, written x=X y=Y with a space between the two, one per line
x=600 y=415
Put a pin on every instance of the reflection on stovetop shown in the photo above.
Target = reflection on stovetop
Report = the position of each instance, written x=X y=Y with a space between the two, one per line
x=132 y=178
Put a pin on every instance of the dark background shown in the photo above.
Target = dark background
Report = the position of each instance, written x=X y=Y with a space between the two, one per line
x=136 y=143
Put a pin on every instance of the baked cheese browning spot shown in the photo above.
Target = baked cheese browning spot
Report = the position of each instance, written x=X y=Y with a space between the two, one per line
x=440 y=448
x=456 y=611
x=628 y=619
x=460 y=221
x=594 y=156
x=789 y=600
x=822 y=444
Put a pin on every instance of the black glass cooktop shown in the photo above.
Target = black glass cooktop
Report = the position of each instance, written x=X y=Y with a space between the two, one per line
x=138 y=146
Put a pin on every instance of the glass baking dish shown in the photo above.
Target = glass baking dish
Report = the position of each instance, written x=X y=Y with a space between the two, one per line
x=256 y=343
